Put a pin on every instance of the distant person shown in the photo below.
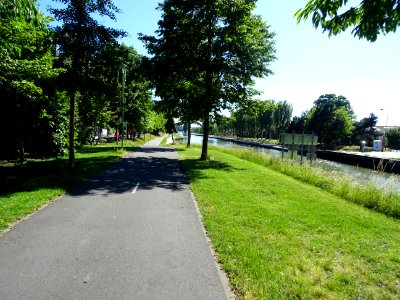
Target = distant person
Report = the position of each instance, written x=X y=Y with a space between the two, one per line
x=362 y=146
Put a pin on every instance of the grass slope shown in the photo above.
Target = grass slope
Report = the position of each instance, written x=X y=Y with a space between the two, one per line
x=384 y=199
x=278 y=238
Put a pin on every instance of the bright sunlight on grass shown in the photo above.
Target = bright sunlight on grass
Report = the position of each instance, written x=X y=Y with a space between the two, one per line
x=385 y=199
x=278 y=238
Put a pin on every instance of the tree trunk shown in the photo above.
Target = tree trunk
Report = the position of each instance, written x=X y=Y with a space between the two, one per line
x=206 y=129
x=76 y=71
x=21 y=151
x=206 y=120
x=208 y=92
x=189 y=134
x=71 y=156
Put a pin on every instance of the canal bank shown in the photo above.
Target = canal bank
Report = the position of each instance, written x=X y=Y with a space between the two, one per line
x=369 y=160
x=388 y=162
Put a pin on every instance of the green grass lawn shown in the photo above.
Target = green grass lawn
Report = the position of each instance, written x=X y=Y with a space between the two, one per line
x=279 y=238
x=26 y=188
x=177 y=138
x=384 y=199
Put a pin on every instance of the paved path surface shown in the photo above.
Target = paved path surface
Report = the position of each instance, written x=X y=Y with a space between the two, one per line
x=131 y=232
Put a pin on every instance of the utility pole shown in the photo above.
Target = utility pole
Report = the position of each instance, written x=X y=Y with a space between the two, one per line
x=123 y=77
x=384 y=131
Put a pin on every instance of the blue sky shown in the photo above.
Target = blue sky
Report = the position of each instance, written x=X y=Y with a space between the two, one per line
x=309 y=63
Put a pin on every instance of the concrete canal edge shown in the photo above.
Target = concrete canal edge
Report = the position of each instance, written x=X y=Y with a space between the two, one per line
x=364 y=161
x=369 y=162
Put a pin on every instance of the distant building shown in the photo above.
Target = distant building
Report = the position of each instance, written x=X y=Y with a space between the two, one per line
x=383 y=129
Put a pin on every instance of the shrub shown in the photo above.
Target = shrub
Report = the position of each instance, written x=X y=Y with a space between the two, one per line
x=393 y=138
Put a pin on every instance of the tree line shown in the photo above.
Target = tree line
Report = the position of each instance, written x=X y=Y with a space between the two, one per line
x=60 y=84
x=257 y=119
x=207 y=54
x=331 y=118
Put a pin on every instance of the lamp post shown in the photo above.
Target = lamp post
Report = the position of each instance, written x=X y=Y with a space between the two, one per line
x=123 y=76
x=384 y=130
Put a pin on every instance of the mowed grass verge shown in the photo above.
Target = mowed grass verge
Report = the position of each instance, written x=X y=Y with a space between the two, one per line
x=26 y=188
x=278 y=238
x=384 y=199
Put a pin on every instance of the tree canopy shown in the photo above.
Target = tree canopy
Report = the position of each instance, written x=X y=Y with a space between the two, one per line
x=331 y=119
x=393 y=138
x=369 y=18
x=80 y=39
x=204 y=58
x=26 y=68
x=282 y=116
x=215 y=48
x=365 y=130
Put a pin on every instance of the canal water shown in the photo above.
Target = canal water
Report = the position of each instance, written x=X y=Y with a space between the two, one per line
x=361 y=175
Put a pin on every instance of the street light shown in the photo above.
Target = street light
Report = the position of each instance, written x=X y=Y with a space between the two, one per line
x=123 y=77
x=384 y=130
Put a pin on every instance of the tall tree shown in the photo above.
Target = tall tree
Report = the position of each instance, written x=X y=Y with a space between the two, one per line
x=365 y=129
x=217 y=47
x=267 y=118
x=138 y=104
x=282 y=116
x=172 y=78
x=393 y=138
x=369 y=17
x=340 y=127
x=79 y=39
x=297 y=124
x=255 y=119
x=26 y=63
x=331 y=118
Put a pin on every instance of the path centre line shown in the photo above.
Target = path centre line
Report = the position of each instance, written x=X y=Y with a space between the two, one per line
x=136 y=187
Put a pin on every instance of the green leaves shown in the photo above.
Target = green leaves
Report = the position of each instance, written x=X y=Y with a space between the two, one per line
x=393 y=137
x=81 y=39
x=369 y=18
x=25 y=51
x=331 y=118
x=23 y=10
x=26 y=69
x=206 y=55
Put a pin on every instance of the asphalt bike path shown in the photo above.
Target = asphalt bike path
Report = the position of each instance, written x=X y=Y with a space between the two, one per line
x=131 y=232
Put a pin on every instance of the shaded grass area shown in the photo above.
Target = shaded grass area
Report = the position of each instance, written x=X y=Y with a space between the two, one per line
x=27 y=187
x=278 y=238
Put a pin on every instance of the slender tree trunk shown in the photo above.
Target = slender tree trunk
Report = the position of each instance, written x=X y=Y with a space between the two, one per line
x=208 y=92
x=189 y=133
x=76 y=71
x=206 y=129
x=21 y=151
x=71 y=156
x=206 y=117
